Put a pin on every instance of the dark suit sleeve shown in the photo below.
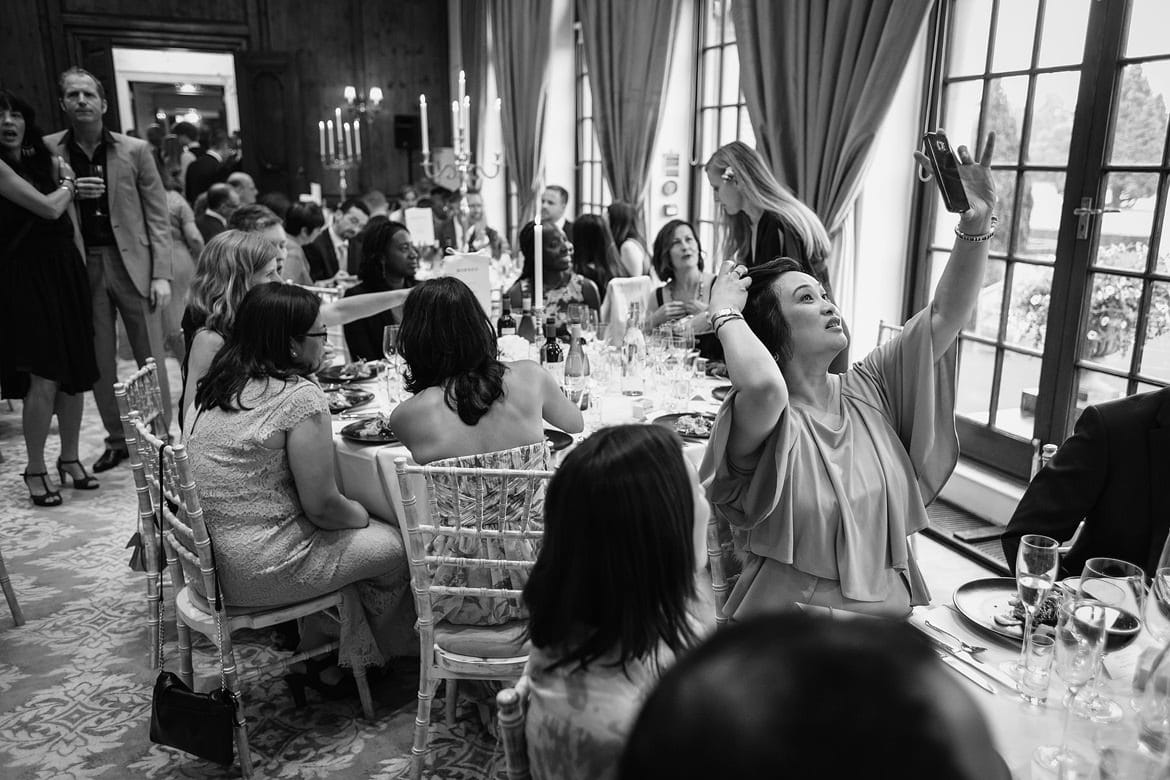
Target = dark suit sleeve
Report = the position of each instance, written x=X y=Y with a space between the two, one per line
x=317 y=268
x=1065 y=490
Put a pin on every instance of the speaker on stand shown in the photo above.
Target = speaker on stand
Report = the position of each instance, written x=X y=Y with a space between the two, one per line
x=408 y=137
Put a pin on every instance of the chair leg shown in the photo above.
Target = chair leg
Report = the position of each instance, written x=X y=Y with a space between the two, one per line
x=452 y=694
x=422 y=723
x=363 y=686
x=10 y=595
x=186 y=669
x=153 y=616
x=242 y=749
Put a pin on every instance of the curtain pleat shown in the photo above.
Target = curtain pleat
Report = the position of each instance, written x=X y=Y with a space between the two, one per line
x=473 y=35
x=520 y=36
x=627 y=49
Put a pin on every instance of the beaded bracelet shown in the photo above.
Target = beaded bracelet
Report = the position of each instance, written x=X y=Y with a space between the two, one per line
x=722 y=319
x=981 y=236
x=69 y=184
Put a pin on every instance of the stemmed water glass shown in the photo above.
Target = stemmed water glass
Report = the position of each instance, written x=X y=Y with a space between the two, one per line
x=98 y=171
x=1121 y=587
x=1036 y=564
x=390 y=350
x=1080 y=642
x=1157 y=608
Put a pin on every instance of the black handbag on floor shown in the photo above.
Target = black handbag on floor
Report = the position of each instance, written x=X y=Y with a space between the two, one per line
x=201 y=724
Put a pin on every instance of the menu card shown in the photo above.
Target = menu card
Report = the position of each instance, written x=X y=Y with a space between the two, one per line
x=476 y=272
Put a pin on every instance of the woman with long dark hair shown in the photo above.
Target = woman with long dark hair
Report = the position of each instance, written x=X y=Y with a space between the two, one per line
x=611 y=595
x=46 y=312
x=261 y=443
x=595 y=255
x=627 y=234
x=389 y=261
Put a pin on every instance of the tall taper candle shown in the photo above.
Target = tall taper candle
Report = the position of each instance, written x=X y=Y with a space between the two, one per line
x=357 y=137
x=538 y=264
x=348 y=140
x=337 y=124
x=456 y=125
x=329 y=132
x=422 y=108
x=321 y=134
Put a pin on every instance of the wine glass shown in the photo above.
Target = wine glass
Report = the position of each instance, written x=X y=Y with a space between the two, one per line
x=100 y=172
x=1080 y=642
x=1157 y=612
x=1036 y=565
x=1120 y=586
x=390 y=350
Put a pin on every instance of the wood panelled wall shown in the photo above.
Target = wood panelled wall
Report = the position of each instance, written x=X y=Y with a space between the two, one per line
x=400 y=46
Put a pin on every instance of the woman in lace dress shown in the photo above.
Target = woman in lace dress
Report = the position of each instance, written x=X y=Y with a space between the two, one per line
x=471 y=409
x=260 y=440
x=562 y=286
x=612 y=595
x=823 y=475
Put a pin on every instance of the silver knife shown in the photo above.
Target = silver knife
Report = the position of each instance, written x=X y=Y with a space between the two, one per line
x=976 y=664
x=962 y=670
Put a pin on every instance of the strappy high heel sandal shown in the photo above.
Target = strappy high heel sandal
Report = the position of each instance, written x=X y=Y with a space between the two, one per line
x=85 y=482
x=49 y=497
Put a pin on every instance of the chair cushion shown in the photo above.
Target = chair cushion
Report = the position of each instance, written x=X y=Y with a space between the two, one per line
x=502 y=641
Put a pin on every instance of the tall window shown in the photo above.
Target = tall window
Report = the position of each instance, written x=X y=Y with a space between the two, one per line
x=1075 y=305
x=722 y=111
x=593 y=193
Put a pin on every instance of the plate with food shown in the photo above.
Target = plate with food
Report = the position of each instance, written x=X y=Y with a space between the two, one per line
x=375 y=430
x=360 y=371
x=720 y=392
x=993 y=605
x=345 y=398
x=558 y=440
x=695 y=426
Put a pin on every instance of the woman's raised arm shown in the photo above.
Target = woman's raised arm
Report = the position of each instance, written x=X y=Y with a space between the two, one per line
x=958 y=288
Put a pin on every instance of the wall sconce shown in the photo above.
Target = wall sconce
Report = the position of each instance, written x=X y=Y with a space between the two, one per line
x=359 y=105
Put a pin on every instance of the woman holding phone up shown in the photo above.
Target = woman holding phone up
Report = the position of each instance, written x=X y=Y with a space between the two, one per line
x=823 y=476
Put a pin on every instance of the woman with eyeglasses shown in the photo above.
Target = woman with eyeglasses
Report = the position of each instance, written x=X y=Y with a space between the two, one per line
x=231 y=264
x=260 y=439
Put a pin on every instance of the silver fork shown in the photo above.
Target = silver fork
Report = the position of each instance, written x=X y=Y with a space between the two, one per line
x=972 y=649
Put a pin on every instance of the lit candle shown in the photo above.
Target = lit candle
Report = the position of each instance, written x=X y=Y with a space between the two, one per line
x=321 y=134
x=350 y=94
x=466 y=117
x=357 y=137
x=462 y=86
x=456 y=125
x=538 y=265
x=329 y=132
x=337 y=124
x=348 y=140
x=422 y=107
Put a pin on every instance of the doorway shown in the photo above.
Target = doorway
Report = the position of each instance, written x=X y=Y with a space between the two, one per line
x=164 y=86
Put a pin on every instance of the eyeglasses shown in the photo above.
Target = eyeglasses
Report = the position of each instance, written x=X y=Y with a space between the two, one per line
x=319 y=334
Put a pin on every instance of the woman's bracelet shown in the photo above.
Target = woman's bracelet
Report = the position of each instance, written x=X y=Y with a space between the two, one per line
x=976 y=238
x=722 y=317
x=69 y=184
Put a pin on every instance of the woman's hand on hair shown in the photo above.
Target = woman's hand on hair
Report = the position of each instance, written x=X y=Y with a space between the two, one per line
x=730 y=287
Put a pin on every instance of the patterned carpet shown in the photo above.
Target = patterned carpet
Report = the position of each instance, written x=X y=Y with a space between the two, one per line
x=74 y=681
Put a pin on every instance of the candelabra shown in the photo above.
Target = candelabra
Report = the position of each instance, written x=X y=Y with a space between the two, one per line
x=359 y=105
x=340 y=151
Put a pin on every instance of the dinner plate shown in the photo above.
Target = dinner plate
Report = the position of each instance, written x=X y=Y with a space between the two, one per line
x=339 y=374
x=344 y=399
x=720 y=392
x=558 y=440
x=671 y=420
x=979 y=601
x=352 y=432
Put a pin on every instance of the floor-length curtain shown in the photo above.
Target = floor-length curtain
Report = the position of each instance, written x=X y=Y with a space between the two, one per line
x=818 y=77
x=627 y=49
x=473 y=38
x=520 y=47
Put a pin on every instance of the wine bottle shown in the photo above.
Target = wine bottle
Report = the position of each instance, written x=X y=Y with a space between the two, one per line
x=576 y=365
x=527 y=327
x=506 y=325
x=634 y=354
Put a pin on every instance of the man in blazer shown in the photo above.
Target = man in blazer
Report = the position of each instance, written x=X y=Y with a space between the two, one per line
x=328 y=253
x=222 y=202
x=126 y=232
x=1114 y=473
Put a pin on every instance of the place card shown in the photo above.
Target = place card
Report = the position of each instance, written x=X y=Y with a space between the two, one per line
x=476 y=272
x=421 y=224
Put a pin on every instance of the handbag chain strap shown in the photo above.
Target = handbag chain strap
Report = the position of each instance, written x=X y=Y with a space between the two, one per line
x=216 y=598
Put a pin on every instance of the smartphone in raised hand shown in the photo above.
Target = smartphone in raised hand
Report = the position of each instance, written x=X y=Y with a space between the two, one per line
x=946 y=171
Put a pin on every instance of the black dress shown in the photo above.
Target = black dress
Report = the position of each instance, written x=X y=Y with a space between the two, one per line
x=46 y=313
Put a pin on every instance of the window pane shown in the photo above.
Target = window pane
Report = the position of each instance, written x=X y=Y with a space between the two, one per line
x=961 y=120
x=1140 y=128
x=1125 y=235
x=1094 y=387
x=710 y=139
x=1015 y=30
x=1039 y=215
x=1147 y=28
x=1018 y=387
x=1063 y=39
x=711 y=77
x=1156 y=354
x=1163 y=263
x=976 y=370
x=728 y=124
x=969 y=36
x=746 y=133
x=938 y=261
x=1142 y=387
x=1052 y=117
x=1005 y=190
x=730 y=91
x=1005 y=115
x=988 y=306
x=1028 y=310
x=1108 y=335
x=715 y=22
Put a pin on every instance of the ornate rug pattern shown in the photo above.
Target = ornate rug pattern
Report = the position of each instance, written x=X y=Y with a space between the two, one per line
x=75 y=684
